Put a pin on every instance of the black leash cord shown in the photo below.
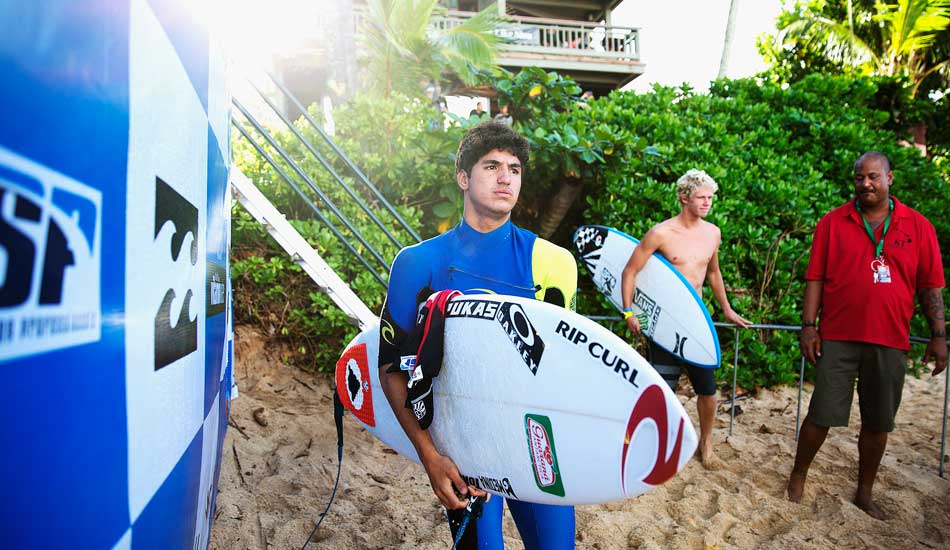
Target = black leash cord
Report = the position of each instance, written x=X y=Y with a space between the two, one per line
x=338 y=419
x=474 y=508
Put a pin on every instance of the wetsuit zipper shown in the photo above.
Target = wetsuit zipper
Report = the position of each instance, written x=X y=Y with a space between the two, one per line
x=534 y=289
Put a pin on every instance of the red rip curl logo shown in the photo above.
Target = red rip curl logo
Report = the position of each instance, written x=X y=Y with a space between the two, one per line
x=652 y=405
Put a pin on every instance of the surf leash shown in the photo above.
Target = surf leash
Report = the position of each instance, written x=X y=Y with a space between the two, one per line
x=338 y=419
x=472 y=509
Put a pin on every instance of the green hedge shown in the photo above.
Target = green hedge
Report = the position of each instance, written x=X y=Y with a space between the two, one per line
x=783 y=157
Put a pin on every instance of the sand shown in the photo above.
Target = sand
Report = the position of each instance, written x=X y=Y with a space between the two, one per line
x=280 y=460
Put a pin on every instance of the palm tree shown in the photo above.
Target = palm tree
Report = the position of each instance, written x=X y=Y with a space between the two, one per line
x=727 y=41
x=410 y=44
x=901 y=45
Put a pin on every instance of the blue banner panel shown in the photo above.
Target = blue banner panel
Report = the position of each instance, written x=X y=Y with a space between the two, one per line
x=63 y=159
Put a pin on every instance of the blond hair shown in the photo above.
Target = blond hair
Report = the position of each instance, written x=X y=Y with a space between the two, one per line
x=693 y=180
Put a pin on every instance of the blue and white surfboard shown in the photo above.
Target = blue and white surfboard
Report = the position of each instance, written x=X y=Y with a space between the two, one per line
x=671 y=312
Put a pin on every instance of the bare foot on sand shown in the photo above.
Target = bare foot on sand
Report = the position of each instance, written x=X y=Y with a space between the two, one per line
x=869 y=507
x=709 y=459
x=796 y=487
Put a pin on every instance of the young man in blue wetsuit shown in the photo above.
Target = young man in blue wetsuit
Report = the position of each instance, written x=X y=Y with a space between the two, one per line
x=485 y=252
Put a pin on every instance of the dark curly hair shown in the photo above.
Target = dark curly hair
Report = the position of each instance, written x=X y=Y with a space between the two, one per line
x=485 y=138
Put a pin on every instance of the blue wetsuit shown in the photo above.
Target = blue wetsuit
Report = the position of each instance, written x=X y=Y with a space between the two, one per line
x=508 y=260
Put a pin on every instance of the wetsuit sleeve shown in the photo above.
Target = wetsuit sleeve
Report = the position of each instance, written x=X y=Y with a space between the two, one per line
x=555 y=274
x=408 y=279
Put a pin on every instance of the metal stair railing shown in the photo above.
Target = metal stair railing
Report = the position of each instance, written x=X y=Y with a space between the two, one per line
x=329 y=168
x=312 y=184
x=343 y=156
x=287 y=163
x=300 y=250
x=336 y=232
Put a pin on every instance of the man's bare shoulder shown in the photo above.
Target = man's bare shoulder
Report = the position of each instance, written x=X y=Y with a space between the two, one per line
x=662 y=229
x=711 y=228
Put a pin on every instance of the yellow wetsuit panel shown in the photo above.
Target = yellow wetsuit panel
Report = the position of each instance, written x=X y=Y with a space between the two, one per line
x=555 y=274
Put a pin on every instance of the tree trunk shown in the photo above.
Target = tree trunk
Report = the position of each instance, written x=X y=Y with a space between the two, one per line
x=919 y=133
x=566 y=194
x=727 y=41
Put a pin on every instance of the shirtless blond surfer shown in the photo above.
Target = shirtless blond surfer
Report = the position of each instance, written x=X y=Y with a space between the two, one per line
x=692 y=245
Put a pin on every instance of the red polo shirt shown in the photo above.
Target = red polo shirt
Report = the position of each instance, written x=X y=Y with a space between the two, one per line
x=853 y=307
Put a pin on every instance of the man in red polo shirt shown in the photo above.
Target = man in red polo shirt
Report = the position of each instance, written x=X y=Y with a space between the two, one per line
x=868 y=259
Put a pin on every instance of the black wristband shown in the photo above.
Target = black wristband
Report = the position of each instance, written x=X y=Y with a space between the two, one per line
x=938 y=334
x=808 y=324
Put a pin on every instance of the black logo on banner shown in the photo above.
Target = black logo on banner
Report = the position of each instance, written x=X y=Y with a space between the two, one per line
x=215 y=289
x=175 y=340
x=21 y=257
x=513 y=321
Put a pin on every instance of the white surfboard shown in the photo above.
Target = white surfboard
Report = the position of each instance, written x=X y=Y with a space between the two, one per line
x=534 y=402
x=670 y=311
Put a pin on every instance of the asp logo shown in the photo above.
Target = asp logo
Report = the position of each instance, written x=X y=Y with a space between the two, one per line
x=547 y=474
x=50 y=259
x=353 y=384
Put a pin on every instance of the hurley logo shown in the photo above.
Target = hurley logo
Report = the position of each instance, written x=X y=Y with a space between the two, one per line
x=543 y=454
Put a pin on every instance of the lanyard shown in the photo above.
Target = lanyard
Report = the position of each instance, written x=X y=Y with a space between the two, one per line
x=878 y=245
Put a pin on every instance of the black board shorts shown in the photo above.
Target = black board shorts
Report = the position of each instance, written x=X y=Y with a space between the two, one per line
x=669 y=367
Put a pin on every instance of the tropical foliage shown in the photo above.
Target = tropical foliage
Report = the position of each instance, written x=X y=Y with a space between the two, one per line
x=908 y=38
x=408 y=50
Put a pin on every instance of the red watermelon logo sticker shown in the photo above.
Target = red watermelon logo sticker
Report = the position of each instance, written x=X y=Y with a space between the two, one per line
x=353 y=384
x=547 y=474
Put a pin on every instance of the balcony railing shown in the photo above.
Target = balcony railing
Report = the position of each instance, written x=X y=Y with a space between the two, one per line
x=551 y=36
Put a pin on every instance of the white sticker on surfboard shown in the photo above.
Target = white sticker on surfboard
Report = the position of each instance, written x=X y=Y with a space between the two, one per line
x=671 y=312
x=534 y=402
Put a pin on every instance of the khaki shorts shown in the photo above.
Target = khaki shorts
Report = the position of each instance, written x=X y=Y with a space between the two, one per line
x=879 y=371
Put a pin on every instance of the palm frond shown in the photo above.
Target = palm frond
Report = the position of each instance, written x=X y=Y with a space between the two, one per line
x=835 y=40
